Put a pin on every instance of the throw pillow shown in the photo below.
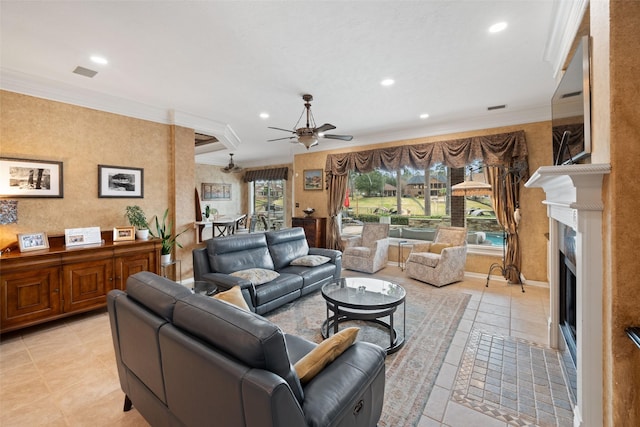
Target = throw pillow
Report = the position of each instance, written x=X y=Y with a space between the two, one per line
x=257 y=276
x=436 y=248
x=326 y=352
x=311 y=260
x=233 y=296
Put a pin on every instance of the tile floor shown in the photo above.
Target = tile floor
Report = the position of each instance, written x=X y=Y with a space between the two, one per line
x=64 y=374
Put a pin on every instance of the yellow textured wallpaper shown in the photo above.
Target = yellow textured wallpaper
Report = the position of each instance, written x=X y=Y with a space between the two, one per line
x=81 y=139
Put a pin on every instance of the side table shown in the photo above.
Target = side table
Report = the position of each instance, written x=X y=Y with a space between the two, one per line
x=401 y=245
x=172 y=270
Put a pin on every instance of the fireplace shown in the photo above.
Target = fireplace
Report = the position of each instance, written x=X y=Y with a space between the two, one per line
x=575 y=273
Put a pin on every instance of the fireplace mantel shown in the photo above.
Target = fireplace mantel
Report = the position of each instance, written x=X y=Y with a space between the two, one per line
x=574 y=198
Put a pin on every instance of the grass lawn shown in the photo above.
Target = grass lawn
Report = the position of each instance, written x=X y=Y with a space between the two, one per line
x=413 y=206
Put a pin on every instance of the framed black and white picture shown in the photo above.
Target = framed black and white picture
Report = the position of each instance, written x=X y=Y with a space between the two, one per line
x=119 y=181
x=30 y=178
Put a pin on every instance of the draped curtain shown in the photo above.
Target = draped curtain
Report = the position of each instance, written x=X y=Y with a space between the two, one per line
x=494 y=150
x=505 y=195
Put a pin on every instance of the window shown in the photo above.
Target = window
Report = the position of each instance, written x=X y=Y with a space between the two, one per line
x=269 y=200
x=416 y=202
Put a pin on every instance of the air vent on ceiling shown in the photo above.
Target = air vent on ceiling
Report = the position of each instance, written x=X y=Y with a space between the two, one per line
x=85 y=71
x=497 y=107
x=202 y=139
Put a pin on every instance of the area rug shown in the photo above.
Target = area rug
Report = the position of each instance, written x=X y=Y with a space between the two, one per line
x=433 y=316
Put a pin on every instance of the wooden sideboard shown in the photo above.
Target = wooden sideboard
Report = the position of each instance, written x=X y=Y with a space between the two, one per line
x=314 y=229
x=40 y=286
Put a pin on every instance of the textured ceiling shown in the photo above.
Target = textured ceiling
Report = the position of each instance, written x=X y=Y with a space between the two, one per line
x=215 y=66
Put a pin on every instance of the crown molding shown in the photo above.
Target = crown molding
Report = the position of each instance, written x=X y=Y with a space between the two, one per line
x=566 y=19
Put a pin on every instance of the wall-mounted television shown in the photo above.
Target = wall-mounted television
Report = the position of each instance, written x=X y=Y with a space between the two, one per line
x=571 y=109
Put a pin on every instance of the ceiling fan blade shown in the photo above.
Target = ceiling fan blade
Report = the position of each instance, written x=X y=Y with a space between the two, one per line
x=280 y=139
x=340 y=137
x=286 y=130
x=325 y=127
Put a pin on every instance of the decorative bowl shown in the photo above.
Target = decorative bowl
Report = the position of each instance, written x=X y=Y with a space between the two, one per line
x=308 y=211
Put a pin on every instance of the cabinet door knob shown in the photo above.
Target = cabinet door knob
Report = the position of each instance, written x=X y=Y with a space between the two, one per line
x=55 y=291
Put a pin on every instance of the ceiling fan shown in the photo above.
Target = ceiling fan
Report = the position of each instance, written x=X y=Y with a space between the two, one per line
x=231 y=167
x=308 y=135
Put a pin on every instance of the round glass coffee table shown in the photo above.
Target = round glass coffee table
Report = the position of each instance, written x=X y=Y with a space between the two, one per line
x=367 y=299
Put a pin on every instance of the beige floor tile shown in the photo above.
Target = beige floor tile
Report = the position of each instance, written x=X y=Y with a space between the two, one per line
x=493 y=319
x=460 y=416
x=41 y=412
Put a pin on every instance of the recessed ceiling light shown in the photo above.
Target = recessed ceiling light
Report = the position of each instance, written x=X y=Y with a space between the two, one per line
x=264 y=115
x=496 y=28
x=99 y=60
x=387 y=82
x=424 y=116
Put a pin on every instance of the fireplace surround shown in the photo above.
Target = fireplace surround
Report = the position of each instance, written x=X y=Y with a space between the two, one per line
x=574 y=207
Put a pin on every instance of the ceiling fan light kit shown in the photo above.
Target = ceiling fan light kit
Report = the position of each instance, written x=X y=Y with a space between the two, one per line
x=309 y=135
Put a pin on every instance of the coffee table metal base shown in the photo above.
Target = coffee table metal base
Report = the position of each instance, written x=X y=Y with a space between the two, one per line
x=343 y=314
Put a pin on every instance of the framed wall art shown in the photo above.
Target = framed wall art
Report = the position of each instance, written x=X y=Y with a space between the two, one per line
x=213 y=191
x=33 y=241
x=313 y=179
x=119 y=181
x=124 y=233
x=30 y=178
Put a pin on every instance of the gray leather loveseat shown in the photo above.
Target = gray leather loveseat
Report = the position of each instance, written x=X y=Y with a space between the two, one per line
x=274 y=250
x=186 y=359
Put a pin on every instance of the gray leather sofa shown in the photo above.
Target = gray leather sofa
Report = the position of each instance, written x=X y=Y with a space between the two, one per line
x=273 y=250
x=186 y=359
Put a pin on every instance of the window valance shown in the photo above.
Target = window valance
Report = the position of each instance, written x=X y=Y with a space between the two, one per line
x=266 y=174
x=494 y=150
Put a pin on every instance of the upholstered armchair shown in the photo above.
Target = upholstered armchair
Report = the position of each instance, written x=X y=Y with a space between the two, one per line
x=441 y=262
x=367 y=252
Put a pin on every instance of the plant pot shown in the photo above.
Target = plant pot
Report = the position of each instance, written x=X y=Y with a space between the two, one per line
x=385 y=220
x=165 y=259
x=142 y=234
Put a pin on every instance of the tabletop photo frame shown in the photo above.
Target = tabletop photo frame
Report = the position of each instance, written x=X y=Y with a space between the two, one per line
x=33 y=241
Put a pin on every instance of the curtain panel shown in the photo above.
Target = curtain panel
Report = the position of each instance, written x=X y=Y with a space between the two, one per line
x=500 y=150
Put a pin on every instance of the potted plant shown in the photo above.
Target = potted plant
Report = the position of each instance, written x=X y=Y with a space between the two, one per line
x=136 y=217
x=163 y=232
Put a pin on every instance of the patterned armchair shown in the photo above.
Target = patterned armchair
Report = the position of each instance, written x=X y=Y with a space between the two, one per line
x=367 y=252
x=441 y=262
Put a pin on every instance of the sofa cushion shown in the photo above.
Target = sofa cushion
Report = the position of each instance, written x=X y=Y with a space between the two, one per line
x=359 y=251
x=436 y=248
x=233 y=296
x=310 y=260
x=311 y=275
x=256 y=276
x=326 y=352
x=282 y=285
x=239 y=252
x=286 y=245
x=247 y=336
x=425 y=258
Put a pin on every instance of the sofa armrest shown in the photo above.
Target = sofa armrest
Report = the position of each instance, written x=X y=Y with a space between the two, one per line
x=336 y=258
x=348 y=242
x=356 y=375
x=200 y=263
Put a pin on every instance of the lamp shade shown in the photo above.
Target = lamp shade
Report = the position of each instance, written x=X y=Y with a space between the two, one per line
x=308 y=140
x=471 y=188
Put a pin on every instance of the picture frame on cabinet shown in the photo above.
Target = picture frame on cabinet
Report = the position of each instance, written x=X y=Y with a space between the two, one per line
x=121 y=234
x=30 y=178
x=313 y=179
x=120 y=182
x=33 y=241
